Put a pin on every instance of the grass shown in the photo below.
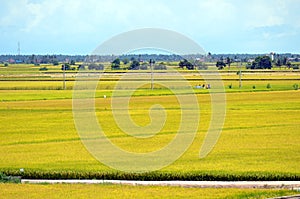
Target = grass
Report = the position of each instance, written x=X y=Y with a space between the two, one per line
x=124 y=191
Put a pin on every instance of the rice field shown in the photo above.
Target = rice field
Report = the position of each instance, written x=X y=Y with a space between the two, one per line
x=260 y=137
x=260 y=134
x=123 y=191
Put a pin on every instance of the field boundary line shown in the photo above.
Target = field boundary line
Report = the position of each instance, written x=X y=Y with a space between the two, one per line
x=295 y=185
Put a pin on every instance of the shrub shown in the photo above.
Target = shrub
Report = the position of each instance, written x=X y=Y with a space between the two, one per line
x=200 y=65
x=5 y=64
x=268 y=85
x=9 y=179
x=72 y=62
x=43 y=68
x=100 y=67
x=296 y=86
x=203 y=67
x=295 y=67
x=65 y=67
x=55 y=63
x=81 y=67
x=160 y=67
x=96 y=67
x=254 y=87
x=230 y=86
x=144 y=66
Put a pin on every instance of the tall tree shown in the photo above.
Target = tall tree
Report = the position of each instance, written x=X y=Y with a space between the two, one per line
x=135 y=65
x=187 y=64
x=220 y=65
x=228 y=62
x=262 y=62
x=125 y=61
x=115 y=65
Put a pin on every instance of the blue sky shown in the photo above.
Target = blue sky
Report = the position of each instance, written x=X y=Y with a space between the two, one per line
x=219 y=26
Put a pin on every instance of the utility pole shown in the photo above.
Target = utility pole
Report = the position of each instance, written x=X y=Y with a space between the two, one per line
x=64 y=76
x=151 y=66
x=240 y=75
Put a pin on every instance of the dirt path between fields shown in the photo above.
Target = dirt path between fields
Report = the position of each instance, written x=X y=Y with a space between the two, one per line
x=295 y=185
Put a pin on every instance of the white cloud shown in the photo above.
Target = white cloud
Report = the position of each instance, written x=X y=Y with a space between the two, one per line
x=262 y=17
x=27 y=16
x=266 y=13
x=208 y=21
x=216 y=10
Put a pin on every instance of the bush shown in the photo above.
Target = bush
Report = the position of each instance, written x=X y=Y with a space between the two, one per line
x=144 y=66
x=254 y=87
x=67 y=67
x=81 y=67
x=160 y=67
x=296 y=86
x=125 y=61
x=230 y=86
x=248 y=66
x=100 y=67
x=96 y=67
x=268 y=86
x=72 y=62
x=43 y=68
x=295 y=67
x=9 y=179
x=5 y=64
x=202 y=67
x=55 y=63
